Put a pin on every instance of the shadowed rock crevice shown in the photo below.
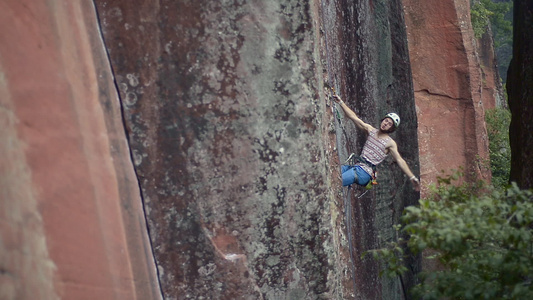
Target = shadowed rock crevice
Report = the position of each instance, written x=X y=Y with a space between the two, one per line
x=520 y=91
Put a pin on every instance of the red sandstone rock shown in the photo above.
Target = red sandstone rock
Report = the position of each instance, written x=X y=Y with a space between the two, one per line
x=72 y=224
x=452 y=88
x=492 y=92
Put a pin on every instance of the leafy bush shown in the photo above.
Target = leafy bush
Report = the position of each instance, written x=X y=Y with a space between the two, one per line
x=481 y=237
x=501 y=21
x=479 y=15
x=498 y=121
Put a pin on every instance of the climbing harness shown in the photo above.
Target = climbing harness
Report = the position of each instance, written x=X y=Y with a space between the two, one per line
x=352 y=160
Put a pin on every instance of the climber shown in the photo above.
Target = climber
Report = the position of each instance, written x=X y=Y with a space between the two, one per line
x=378 y=145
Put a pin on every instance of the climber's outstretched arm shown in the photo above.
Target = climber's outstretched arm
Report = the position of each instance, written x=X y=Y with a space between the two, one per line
x=352 y=116
x=393 y=150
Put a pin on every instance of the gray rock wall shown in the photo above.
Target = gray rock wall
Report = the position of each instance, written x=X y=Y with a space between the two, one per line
x=233 y=141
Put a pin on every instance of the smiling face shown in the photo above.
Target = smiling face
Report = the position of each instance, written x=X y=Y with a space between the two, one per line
x=386 y=125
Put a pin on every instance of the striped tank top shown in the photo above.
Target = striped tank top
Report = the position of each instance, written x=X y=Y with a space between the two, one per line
x=374 y=150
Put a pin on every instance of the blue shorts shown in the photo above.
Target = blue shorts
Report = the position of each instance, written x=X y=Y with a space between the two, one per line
x=354 y=174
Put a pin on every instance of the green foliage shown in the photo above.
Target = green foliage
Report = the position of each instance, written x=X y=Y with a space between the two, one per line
x=497 y=13
x=479 y=15
x=498 y=121
x=481 y=238
x=501 y=21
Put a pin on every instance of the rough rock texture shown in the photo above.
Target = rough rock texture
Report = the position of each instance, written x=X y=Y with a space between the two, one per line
x=234 y=145
x=72 y=226
x=492 y=94
x=452 y=89
x=223 y=107
x=520 y=91
x=368 y=64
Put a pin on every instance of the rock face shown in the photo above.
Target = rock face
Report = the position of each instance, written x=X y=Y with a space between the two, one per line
x=453 y=87
x=492 y=94
x=225 y=116
x=520 y=91
x=207 y=125
x=233 y=141
x=72 y=222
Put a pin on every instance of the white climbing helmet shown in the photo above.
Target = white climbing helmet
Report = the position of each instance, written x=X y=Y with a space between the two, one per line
x=395 y=118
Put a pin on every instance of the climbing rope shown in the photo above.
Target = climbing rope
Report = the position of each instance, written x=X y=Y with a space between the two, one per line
x=346 y=198
x=348 y=211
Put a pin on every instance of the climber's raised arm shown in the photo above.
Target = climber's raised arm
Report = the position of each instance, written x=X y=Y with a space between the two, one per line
x=352 y=116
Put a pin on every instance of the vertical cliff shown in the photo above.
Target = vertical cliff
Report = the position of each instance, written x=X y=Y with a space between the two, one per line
x=520 y=90
x=224 y=108
x=455 y=80
x=72 y=224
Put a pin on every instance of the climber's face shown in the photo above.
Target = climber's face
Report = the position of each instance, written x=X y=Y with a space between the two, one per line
x=386 y=124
